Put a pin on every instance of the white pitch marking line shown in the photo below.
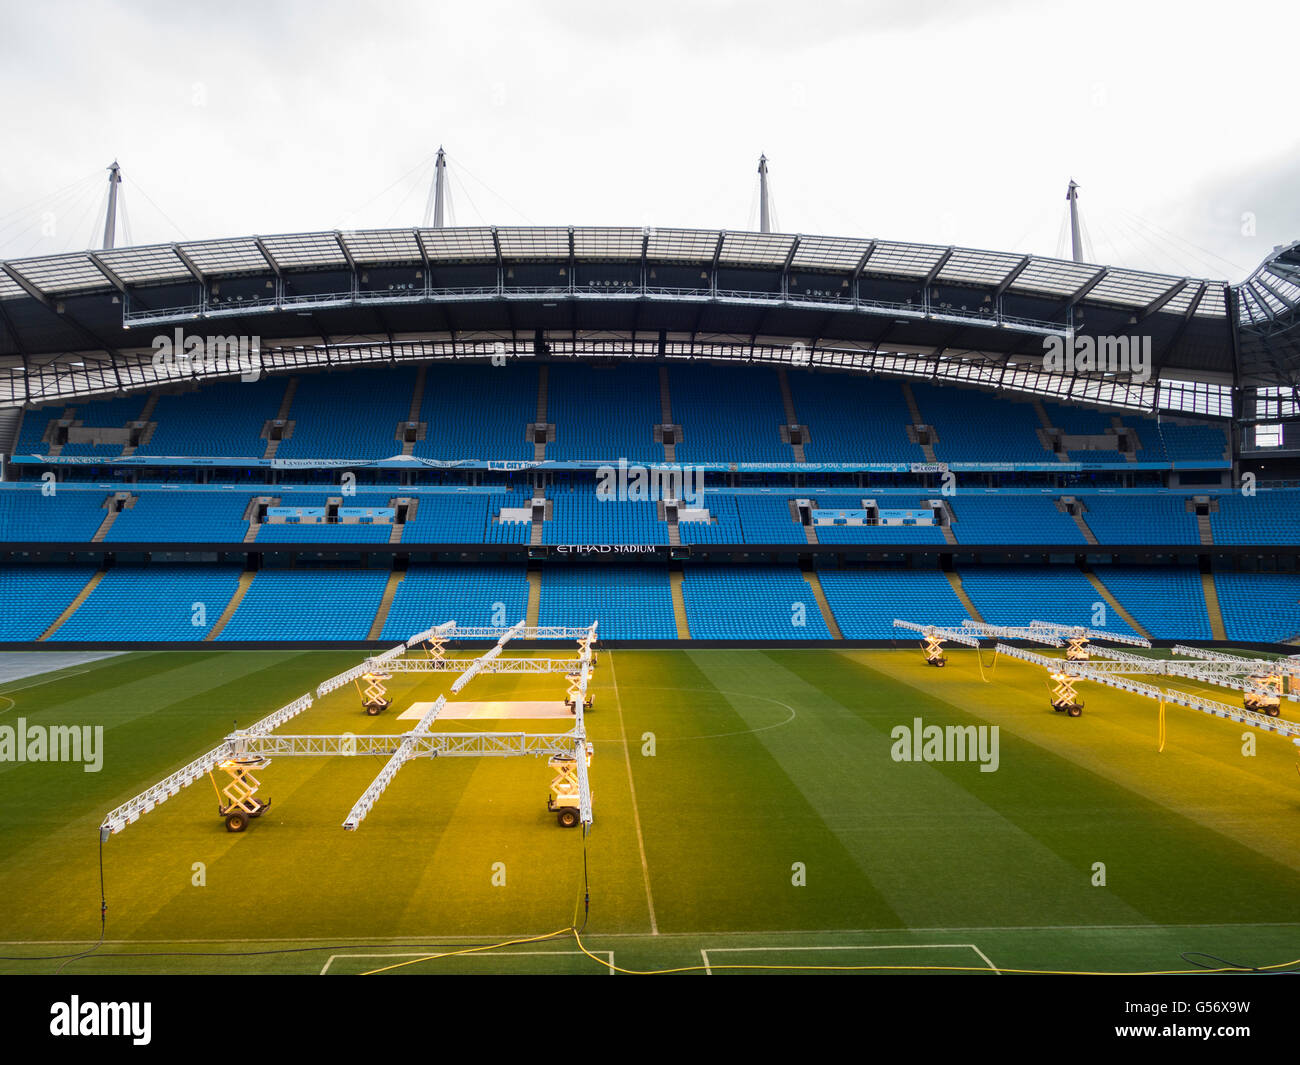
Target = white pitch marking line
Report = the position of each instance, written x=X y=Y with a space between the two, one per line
x=873 y=946
x=636 y=816
x=433 y=956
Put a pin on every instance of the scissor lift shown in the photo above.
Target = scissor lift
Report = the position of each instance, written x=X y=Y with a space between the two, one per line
x=374 y=697
x=241 y=803
x=566 y=790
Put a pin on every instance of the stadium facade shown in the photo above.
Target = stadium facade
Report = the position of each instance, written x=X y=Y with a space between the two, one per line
x=337 y=437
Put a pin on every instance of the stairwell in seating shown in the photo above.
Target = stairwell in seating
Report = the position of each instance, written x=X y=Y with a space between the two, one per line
x=1217 y=629
x=395 y=578
x=959 y=589
x=73 y=607
x=241 y=590
x=823 y=604
x=69 y=414
x=114 y=505
x=543 y=386
x=11 y=425
x=534 y=596
x=1045 y=433
x=1113 y=602
x=540 y=514
x=1074 y=507
x=1116 y=422
x=791 y=417
x=1203 y=507
x=915 y=410
x=413 y=414
x=145 y=416
x=666 y=414
x=282 y=415
x=679 y=604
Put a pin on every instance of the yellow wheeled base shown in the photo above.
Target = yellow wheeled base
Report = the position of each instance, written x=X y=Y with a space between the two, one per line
x=564 y=800
x=241 y=805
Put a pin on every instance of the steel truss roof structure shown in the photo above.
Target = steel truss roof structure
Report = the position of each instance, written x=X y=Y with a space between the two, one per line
x=83 y=324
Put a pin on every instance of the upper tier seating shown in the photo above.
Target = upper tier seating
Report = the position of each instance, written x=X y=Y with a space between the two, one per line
x=604 y=413
x=223 y=418
x=726 y=418
x=852 y=418
x=354 y=415
x=973 y=426
x=476 y=411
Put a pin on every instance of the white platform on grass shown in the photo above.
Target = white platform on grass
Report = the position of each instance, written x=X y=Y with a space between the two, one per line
x=503 y=710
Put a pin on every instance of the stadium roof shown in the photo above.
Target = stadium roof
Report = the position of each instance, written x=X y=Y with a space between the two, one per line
x=84 y=322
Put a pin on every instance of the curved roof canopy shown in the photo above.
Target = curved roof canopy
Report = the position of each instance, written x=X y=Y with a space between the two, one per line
x=548 y=284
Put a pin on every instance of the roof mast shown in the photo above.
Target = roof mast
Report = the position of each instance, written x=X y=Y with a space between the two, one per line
x=764 y=221
x=1076 y=244
x=110 y=222
x=436 y=192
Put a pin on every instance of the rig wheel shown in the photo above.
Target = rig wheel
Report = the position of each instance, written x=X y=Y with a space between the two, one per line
x=1273 y=711
x=568 y=817
x=236 y=821
x=374 y=711
x=1074 y=711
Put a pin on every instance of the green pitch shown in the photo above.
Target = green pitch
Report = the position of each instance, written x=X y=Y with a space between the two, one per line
x=748 y=811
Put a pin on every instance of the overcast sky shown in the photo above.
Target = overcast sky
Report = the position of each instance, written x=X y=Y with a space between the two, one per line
x=953 y=123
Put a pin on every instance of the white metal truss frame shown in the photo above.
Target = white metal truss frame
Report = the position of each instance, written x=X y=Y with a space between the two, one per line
x=1083 y=632
x=258 y=740
x=131 y=810
x=939 y=632
x=1088 y=671
x=1010 y=632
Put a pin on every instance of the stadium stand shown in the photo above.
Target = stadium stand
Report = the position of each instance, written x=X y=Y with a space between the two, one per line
x=182 y=517
x=720 y=420
x=581 y=517
x=851 y=419
x=225 y=418
x=1141 y=519
x=177 y=603
x=43 y=592
x=604 y=413
x=974 y=427
x=468 y=595
x=750 y=603
x=866 y=601
x=992 y=519
x=30 y=515
x=630 y=602
x=1268 y=517
x=1263 y=607
x=1016 y=595
x=476 y=410
x=352 y=417
x=1167 y=601
x=724 y=528
x=308 y=604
